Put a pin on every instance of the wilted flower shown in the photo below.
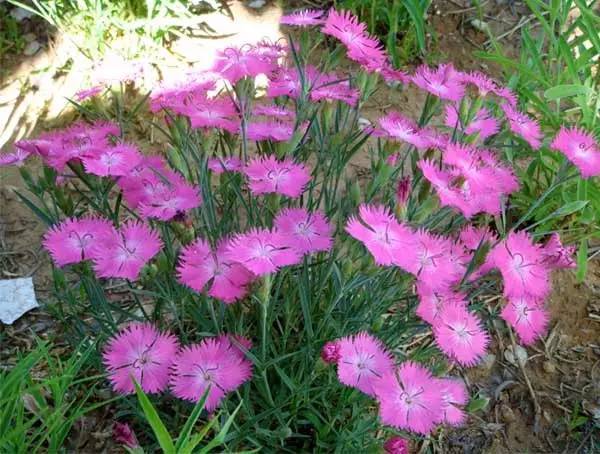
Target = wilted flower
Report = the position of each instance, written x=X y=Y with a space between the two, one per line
x=362 y=361
x=403 y=191
x=213 y=363
x=267 y=175
x=581 y=148
x=141 y=352
x=87 y=93
x=409 y=398
x=16 y=158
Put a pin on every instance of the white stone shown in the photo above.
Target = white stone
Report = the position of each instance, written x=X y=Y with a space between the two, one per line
x=17 y=297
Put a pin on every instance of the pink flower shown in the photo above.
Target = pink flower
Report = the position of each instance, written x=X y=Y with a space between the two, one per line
x=72 y=240
x=454 y=396
x=199 y=266
x=508 y=95
x=139 y=186
x=483 y=123
x=16 y=158
x=124 y=253
x=262 y=251
x=330 y=87
x=391 y=75
x=404 y=129
x=556 y=255
x=444 y=82
x=140 y=351
x=276 y=131
x=528 y=318
x=218 y=113
x=124 y=435
x=484 y=84
x=235 y=63
x=362 y=361
x=168 y=198
x=522 y=265
x=273 y=110
x=87 y=93
x=382 y=235
x=308 y=232
x=458 y=333
x=331 y=352
x=403 y=191
x=303 y=18
x=213 y=363
x=474 y=237
x=580 y=148
x=409 y=398
x=267 y=175
x=175 y=93
x=523 y=126
x=396 y=445
x=431 y=302
x=114 y=161
x=286 y=82
x=227 y=164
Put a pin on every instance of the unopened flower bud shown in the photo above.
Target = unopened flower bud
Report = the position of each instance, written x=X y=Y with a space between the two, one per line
x=331 y=352
x=123 y=434
x=396 y=445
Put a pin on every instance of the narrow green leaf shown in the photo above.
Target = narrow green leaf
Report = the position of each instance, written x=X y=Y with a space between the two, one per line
x=566 y=91
x=191 y=421
x=582 y=260
x=159 y=429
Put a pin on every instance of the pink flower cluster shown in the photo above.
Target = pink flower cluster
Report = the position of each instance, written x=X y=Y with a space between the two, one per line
x=409 y=397
x=157 y=361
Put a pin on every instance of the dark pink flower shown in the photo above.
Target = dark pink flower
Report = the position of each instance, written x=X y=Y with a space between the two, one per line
x=523 y=126
x=396 y=445
x=124 y=434
x=124 y=252
x=72 y=240
x=199 y=267
x=403 y=191
x=303 y=18
x=308 y=232
x=268 y=175
x=213 y=363
x=581 y=148
x=331 y=352
x=444 y=82
x=261 y=251
x=141 y=352
x=362 y=361
x=409 y=398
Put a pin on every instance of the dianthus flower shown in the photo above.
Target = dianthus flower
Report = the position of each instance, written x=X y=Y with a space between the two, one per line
x=168 y=198
x=523 y=126
x=331 y=352
x=218 y=113
x=309 y=232
x=199 y=267
x=15 y=158
x=527 y=316
x=377 y=228
x=362 y=361
x=273 y=110
x=213 y=363
x=262 y=251
x=141 y=352
x=404 y=129
x=113 y=161
x=124 y=252
x=90 y=92
x=268 y=175
x=235 y=63
x=580 y=148
x=396 y=445
x=175 y=93
x=444 y=82
x=274 y=130
x=556 y=255
x=522 y=265
x=409 y=398
x=72 y=240
x=330 y=87
x=458 y=333
x=454 y=396
x=303 y=18
x=484 y=84
x=431 y=302
x=220 y=165
x=483 y=123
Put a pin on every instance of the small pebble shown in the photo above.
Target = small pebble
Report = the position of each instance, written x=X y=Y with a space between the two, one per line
x=19 y=14
x=32 y=48
x=257 y=4
x=549 y=367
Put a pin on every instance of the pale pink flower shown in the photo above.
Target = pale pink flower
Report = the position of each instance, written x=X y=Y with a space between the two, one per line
x=274 y=130
x=391 y=75
x=273 y=110
x=528 y=317
x=227 y=164
x=483 y=123
x=87 y=93
x=123 y=253
x=113 y=161
x=396 y=445
x=581 y=148
x=175 y=93
x=377 y=228
x=235 y=63
x=362 y=361
x=556 y=255
x=444 y=82
x=16 y=158
x=402 y=128
x=308 y=232
x=458 y=333
x=211 y=363
x=303 y=18
x=454 y=397
x=72 y=240
x=200 y=267
x=141 y=352
x=409 y=398
x=522 y=265
x=331 y=352
x=268 y=175
x=262 y=251
x=523 y=126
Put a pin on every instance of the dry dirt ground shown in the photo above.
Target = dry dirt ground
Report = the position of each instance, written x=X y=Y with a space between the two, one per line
x=542 y=399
